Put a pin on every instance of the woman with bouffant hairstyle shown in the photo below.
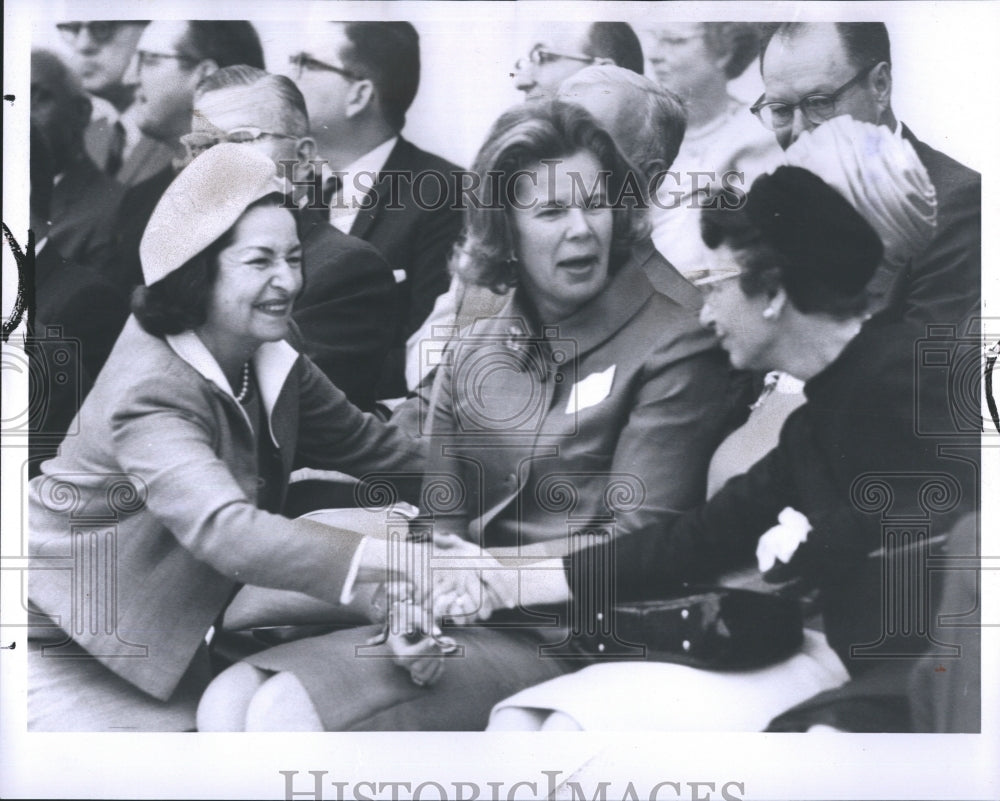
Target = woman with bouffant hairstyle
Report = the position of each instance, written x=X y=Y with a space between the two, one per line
x=590 y=402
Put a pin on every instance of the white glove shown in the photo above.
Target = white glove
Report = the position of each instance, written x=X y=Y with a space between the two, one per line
x=781 y=541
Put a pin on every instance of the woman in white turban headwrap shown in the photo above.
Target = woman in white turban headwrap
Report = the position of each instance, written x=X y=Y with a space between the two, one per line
x=879 y=173
x=881 y=176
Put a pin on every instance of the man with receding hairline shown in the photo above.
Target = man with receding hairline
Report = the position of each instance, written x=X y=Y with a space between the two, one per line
x=562 y=48
x=815 y=71
x=348 y=288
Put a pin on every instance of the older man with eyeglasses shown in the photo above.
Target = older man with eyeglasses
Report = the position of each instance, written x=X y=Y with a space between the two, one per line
x=348 y=291
x=816 y=71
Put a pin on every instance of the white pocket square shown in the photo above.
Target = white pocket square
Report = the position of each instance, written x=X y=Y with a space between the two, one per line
x=590 y=391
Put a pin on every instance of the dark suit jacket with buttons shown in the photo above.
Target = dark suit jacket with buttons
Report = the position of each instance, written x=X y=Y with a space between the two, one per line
x=129 y=224
x=416 y=238
x=348 y=296
x=942 y=284
x=607 y=419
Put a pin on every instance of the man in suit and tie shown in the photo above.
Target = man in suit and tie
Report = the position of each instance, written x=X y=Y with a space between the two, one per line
x=359 y=79
x=100 y=53
x=171 y=59
x=348 y=288
x=815 y=71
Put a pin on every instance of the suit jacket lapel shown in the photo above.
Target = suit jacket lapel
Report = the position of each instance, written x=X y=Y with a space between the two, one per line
x=366 y=217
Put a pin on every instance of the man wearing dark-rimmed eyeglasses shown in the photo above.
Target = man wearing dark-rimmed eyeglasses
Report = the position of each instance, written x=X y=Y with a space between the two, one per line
x=815 y=71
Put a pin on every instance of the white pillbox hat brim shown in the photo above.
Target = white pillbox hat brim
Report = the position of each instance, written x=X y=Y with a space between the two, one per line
x=201 y=204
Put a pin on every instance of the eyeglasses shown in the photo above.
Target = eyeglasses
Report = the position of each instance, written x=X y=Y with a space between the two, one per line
x=540 y=56
x=100 y=32
x=678 y=41
x=302 y=62
x=710 y=280
x=146 y=58
x=817 y=108
x=197 y=142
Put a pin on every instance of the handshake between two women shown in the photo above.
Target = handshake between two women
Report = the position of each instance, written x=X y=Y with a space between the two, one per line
x=445 y=579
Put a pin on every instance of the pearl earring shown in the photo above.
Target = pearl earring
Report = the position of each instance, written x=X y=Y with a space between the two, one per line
x=770 y=313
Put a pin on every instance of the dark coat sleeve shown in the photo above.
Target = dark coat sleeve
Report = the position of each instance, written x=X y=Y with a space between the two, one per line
x=943 y=283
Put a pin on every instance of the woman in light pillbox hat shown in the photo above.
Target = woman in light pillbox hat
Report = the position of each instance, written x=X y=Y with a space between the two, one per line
x=185 y=444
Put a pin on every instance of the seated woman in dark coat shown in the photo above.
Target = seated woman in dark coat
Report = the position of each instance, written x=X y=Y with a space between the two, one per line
x=589 y=400
x=799 y=258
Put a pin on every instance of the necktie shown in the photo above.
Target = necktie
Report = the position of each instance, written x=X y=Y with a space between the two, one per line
x=331 y=188
x=116 y=148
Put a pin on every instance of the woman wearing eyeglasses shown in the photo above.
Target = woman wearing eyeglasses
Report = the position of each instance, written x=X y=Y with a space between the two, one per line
x=168 y=496
x=697 y=60
x=789 y=293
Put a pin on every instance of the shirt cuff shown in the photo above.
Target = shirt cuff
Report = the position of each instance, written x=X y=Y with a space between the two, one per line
x=347 y=593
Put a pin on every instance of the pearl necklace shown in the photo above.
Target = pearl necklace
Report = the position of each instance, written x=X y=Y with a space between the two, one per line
x=245 y=384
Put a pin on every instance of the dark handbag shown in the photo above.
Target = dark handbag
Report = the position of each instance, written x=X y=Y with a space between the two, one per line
x=709 y=627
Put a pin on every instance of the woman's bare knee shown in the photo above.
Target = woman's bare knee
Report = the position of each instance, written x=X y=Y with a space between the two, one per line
x=517 y=718
x=223 y=705
x=560 y=721
x=282 y=704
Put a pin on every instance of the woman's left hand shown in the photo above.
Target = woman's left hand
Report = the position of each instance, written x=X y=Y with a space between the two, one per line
x=415 y=641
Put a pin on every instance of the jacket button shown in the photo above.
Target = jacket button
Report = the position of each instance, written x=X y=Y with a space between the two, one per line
x=685 y=614
x=600 y=616
x=686 y=645
x=600 y=647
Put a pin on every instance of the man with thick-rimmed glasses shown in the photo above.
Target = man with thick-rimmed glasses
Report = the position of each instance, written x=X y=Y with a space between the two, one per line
x=359 y=79
x=815 y=71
